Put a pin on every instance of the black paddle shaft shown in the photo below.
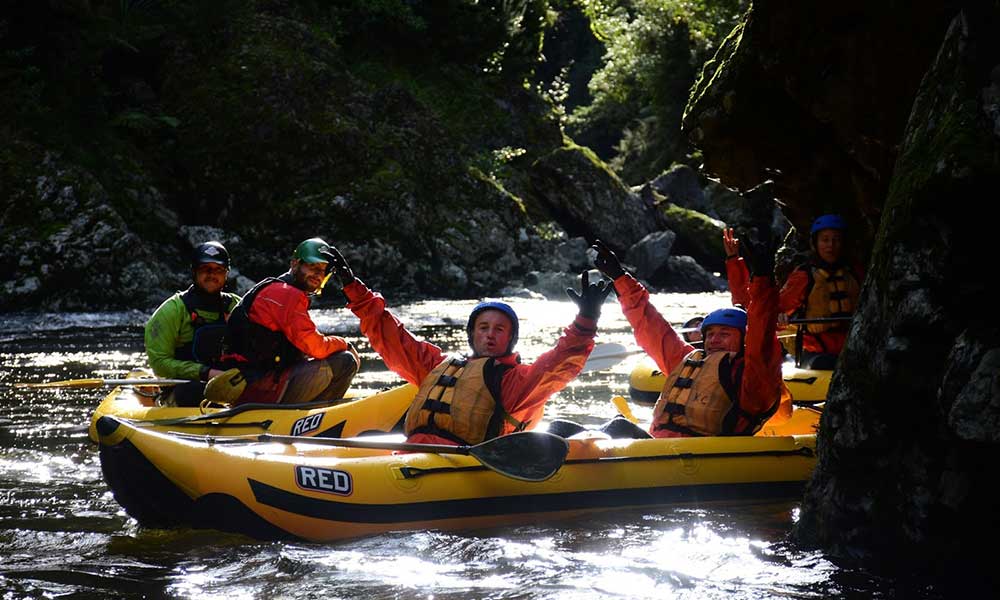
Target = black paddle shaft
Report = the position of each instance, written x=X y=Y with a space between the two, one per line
x=526 y=455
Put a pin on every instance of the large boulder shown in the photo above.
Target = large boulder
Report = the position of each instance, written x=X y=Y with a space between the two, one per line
x=580 y=192
x=908 y=441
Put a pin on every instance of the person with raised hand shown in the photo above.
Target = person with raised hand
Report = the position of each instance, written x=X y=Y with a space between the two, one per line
x=733 y=385
x=488 y=392
x=827 y=286
x=273 y=349
x=183 y=337
x=737 y=274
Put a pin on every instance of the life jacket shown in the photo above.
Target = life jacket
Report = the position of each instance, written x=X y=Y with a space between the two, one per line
x=701 y=397
x=260 y=347
x=206 y=344
x=831 y=293
x=460 y=400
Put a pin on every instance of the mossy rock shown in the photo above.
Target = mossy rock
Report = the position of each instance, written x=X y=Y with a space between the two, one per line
x=698 y=236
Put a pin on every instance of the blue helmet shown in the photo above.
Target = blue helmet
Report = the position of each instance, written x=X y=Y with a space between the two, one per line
x=828 y=222
x=502 y=307
x=730 y=317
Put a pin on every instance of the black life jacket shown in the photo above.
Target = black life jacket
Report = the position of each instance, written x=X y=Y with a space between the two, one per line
x=206 y=345
x=261 y=347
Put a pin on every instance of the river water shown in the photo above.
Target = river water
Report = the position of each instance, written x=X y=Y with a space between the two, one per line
x=62 y=535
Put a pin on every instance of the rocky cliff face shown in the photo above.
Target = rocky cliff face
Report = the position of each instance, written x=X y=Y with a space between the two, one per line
x=815 y=98
x=908 y=444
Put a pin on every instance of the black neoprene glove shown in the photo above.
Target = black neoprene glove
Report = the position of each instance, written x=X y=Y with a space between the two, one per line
x=338 y=264
x=592 y=296
x=606 y=261
x=759 y=251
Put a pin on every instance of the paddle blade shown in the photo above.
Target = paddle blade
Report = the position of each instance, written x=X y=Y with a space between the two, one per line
x=527 y=455
x=622 y=405
x=605 y=356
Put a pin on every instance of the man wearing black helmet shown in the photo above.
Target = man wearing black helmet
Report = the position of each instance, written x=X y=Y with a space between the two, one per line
x=468 y=399
x=272 y=347
x=732 y=386
x=184 y=336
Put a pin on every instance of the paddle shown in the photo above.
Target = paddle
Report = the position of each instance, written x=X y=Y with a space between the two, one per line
x=526 y=455
x=605 y=356
x=819 y=320
x=96 y=383
x=624 y=409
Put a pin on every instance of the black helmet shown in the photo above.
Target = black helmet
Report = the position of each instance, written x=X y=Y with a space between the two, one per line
x=210 y=252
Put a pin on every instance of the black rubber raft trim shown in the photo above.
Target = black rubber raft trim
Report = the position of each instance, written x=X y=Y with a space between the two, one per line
x=536 y=503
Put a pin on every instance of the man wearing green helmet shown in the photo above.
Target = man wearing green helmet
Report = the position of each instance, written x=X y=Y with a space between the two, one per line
x=732 y=386
x=275 y=352
x=184 y=336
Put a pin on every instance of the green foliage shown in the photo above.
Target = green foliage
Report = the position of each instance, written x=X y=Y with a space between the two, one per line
x=495 y=163
x=140 y=122
x=654 y=48
x=70 y=69
x=498 y=37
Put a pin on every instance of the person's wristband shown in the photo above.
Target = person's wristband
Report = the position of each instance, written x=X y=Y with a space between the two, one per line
x=203 y=373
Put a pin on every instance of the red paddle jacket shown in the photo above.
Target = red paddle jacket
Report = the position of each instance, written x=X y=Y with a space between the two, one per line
x=524 y=389
x=285 y=308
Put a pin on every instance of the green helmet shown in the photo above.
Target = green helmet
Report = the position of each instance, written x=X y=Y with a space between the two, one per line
x=312 y=251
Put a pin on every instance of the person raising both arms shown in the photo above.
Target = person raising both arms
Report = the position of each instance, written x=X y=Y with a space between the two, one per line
x=183 y=337
x=468 y=399
x=732 y=386
x=272 y=349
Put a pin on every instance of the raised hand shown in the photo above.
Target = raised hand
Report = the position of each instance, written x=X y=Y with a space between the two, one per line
x=759 y=251
x=606 y=261
x=730 y=242
x=338 y=264
x=592 y=296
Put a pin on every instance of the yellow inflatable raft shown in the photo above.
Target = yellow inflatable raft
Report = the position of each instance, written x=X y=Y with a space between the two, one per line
x=313 y=489
x=808 y=386
x=381 y=411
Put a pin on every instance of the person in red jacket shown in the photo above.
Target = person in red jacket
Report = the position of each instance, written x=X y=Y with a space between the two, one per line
x=731 y=387
x=826 y=286
x=273 y=349
x=466 y=400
